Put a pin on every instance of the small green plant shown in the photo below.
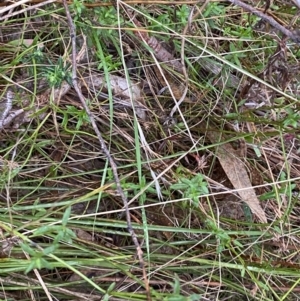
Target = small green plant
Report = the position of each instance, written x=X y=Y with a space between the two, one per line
x=111 y=63
x=135 y=188
x=33 y=52
x=80 y=116
x=164 y=21
x=156 y=25
x=57 y=73
x=60 y=233
x=109 y=17
x=212 y=10
x=78 y=7
x=292 y=118
x=192 y=188
x=106 y=15
x=37 y=260
x=224 y=240
x=183 y=13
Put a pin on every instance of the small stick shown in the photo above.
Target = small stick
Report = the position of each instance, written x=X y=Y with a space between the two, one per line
x=293 y=35
x=102 y=143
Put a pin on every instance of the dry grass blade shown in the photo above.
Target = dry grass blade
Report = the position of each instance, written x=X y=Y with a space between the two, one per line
x=237 y=174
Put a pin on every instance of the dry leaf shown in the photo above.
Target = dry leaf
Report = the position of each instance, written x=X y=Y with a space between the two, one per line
x=120 y=88
x=237 y=174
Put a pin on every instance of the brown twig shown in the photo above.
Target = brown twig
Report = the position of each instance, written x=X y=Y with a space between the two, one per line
x=293 y=35
x=102 y=142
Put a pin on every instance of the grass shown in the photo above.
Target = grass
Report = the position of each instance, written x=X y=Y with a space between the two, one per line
x=63 y=229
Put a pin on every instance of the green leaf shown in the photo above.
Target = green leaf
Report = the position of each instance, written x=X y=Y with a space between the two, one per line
x=50 y=249
x=28 y=249
x=179 y=186
x=243 y=271
x=38 y=263
x=43 y=230
x=60 y=235
x=106 y=297
x=186 y=181
x=237 y=243
x=176 y=286
x=30 y=267
x=46 y=264
x=111 y=287
x=69 y=235
x=66 y=216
